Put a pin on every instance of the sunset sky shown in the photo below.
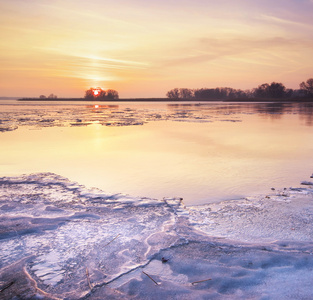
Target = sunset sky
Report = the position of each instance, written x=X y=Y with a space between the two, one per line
x=144 y=48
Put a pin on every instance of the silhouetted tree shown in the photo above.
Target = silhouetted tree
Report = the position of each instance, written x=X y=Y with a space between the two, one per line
x=273 y=90
x=219 y=93
x=289 y=93
x=205 y=93
x=299 y=93
x=261 y=91
x=243 y=94
x=100 y=94
x=89 y=94
x=173 y=94
x=185 y=93
x=307 y=87
x=52 y=96
x=230 y=93
x=276 y=90
x=112 y=94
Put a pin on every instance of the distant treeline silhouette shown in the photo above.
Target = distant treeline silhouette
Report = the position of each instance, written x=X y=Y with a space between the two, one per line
x=274 y=90
x=101 y=94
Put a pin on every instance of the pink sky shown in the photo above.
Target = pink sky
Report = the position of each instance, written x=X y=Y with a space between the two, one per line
x=145 y=48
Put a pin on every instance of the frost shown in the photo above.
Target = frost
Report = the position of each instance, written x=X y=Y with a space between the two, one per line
x=80 y=243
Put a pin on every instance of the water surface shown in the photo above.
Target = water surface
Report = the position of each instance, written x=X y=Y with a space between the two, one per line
x=201 y=152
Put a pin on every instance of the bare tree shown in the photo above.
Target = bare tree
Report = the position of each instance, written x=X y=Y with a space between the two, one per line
x=100 y=94
x=89 y=94
x=173 y=94
x=185 y=93
x=261 y=91
x=273 y=90
x=276 y=90
x=112 y=94
x=52 y=96
x=307 y=87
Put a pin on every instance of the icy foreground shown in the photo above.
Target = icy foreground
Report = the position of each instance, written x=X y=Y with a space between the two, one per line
x=59 y=240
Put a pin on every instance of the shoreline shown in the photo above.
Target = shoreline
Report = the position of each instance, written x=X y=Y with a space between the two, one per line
x=283 y=100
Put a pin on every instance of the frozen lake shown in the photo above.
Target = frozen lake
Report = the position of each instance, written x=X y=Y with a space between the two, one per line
x=201 y=152
x=131 y=236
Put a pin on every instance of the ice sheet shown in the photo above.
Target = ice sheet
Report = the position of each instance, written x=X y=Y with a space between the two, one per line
x=59 y=239
x=107 y=115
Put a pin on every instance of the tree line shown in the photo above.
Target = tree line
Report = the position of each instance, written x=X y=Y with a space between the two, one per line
x=101 y=94
x=274 y=90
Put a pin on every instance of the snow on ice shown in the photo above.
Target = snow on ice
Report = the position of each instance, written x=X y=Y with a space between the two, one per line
x=60 y=240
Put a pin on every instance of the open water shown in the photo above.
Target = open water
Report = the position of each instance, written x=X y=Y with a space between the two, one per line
x=201 y=152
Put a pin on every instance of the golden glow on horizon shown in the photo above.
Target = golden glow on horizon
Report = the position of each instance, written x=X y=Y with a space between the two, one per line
x=144 y=50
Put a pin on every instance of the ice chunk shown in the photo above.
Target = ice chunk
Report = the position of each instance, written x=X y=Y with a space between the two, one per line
x=73 y=242
x=307 y=182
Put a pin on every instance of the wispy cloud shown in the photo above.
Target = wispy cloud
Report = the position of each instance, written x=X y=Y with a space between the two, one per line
x=79 y=61
x=209 y=49
x=117 y=62
x=283 y=21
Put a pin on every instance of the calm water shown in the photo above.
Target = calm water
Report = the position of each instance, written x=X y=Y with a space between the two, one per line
x=201 y=152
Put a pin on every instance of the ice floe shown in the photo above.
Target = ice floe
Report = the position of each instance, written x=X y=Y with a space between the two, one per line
x=60 y=240
x=106 y=115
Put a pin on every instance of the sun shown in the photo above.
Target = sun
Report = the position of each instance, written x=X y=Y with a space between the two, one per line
x=97 y=91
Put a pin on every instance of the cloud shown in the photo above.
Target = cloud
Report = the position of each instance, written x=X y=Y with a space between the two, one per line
x=209 y=49
x=285 y=21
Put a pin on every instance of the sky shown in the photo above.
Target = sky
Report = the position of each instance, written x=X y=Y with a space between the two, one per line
x=143 y=48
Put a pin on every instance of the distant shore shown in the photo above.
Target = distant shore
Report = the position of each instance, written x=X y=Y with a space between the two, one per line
x=305 y=99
